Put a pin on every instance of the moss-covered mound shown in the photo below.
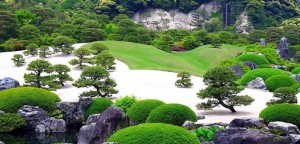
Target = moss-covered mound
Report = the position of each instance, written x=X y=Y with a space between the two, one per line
x=296 y=70
x=99 y=105
x=289 y=113
x=259 y=60
x=139 y=111
x=13 y=99
x=154 y=133
x=278 y=81
x=175 y=114
x=263 y=73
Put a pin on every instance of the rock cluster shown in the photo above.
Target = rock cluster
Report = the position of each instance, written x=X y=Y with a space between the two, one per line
x=32 y=115
x=51 y=125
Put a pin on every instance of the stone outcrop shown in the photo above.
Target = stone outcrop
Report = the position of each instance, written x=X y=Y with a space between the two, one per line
x=111 y=120
x=243 y=24
x=283 y=49
x=238 y=70
x=286 y=128
x=189 y=125
x=258 y=83
x=247 y=123
x=8 y=82
x=32 y=115
x=92 y=118
x=295 y=139
x=263 y=42
x=242 y=135
x=74 y=111
x=251 y=65
x=279 y=67
x=296 y=77
x=51 y=125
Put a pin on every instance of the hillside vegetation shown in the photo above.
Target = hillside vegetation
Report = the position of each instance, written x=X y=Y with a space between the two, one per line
x=197 y=61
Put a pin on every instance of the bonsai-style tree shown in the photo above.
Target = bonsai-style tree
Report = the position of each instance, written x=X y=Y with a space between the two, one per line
x=98 y=78
x=284 y=95
x=40 y=75
x=82 y=55
x=222 y=90
x=62 y=73
x=44 y=51
x=97 y=48
x=62 y=44
x=105 y=60
x=31 y=49
x=184 y=81
x=18 y=59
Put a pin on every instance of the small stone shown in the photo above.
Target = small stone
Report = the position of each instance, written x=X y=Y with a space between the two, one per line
x=189 y=125
x=258 y=83
x=201 y=117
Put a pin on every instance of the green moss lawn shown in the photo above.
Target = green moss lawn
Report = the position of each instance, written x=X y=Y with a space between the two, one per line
x=146 y=57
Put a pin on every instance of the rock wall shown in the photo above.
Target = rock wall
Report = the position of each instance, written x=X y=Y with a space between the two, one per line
x=243 y=24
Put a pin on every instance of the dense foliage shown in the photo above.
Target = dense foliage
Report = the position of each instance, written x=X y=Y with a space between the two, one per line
x=154 y=133
x=140 y=111
x=277 y=81
x=13 y=99
x=207 y=133
x=175 y=114
x=125 y=102
x=284 y=95
x=10 y=122
x=99 y=105
x=289 y=113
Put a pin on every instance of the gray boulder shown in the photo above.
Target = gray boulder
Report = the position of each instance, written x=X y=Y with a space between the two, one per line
x=8 y=82
x=51 y=125
x=295 y=139
x=2 y=112
x=258 y=83
x=238 y=70
x=251 y=65
x=74 y=111
x=32 y=115
x=279 y=67
x=247 y=122
x=1 y=142
x=286 y=128
x=283 y=49
x=296 y=77
x=263 y=42
x=111 y=120
x=189 y=125
x=92 y=118
x=244 y=136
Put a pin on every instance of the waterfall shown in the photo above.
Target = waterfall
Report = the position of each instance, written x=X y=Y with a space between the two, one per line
x=227 y=14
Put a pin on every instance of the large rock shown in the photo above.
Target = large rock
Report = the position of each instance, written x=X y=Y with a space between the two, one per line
x=238 y=70
x=51 y=125
x=258 y=83
x=74 y=111
x=296 y=77
x=32 y=115
x=8 y=82
x=295 y=139
x=283 y=49
x=92 y=118
x=111 y=120
x=247 y=122
x=286 y=128
x=251 y=65
x=244 y=136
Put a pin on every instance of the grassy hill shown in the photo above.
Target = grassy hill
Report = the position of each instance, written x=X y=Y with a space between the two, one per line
x=197 y=61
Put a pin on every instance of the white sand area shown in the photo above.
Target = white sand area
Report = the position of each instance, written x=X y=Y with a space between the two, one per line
x=145 y=84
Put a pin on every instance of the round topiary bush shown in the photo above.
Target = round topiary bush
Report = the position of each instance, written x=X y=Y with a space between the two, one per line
x=175 y=114
x=264 y=66
x=263 y=73
x=296 y=70
x=259 y=60
x=139 y=111
x=10 y=122
x=13 y=99
x=99 y=105
x=289 y=113
x=154 y=133
x=295 y=87
x=278 y=81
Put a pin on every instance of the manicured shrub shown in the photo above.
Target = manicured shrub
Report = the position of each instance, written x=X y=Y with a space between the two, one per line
x=10 y=122
x=233 y=62
x=207 y=133
x=264 y=66
x=175 y=114
x=126 y=102
x=295 y=87
x=139 y=111
x=278 y=81
x=154 y=133
x=263 y=73
x=13 y=99
x=289 y=113
x=184 y=80
x=99 y=105
x=253 y=58
x=284 y=95
x=296 y=70
x=18 y=59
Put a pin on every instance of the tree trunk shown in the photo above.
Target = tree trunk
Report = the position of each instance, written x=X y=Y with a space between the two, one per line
x=231 y=108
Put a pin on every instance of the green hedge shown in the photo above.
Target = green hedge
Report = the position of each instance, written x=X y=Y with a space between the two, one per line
x=13 y=99
x=289 y=113
x=295 y=87
x=296 y=70
x=259 y=60
x=99 y=105
x=10 y=122
x=154 y=133
x=263 y=73
x=278 y=81
x=139 y=111
x=175 y=114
